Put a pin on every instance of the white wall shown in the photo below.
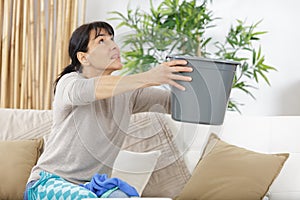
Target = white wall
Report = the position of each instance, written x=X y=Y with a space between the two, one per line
x=281 y=45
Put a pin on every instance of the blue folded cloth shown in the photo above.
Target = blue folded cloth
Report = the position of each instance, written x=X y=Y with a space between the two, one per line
x=100 y=184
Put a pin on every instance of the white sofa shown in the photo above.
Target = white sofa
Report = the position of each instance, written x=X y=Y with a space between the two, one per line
x=265 y=134
x=262 y=134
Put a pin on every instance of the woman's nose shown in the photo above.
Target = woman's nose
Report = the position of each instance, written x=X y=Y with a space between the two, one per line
x=113 y=45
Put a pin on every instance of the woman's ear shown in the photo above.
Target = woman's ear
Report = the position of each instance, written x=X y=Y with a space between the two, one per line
x=82 y=58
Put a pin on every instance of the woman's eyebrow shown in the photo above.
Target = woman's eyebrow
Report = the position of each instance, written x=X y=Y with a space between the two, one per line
x=100 y=34
x=104 y=35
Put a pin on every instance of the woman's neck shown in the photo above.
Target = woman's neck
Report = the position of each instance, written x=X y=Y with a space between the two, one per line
x=90 y=72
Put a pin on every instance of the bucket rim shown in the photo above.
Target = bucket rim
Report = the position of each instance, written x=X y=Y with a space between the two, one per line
x=203 y=59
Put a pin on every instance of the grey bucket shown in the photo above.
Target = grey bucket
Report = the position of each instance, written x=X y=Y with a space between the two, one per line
x=205 y=99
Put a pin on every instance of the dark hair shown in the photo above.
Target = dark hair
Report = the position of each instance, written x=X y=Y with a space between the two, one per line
x=79 y=43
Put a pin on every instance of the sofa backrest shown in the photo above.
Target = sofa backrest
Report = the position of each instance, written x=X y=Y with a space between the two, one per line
x=18 y=124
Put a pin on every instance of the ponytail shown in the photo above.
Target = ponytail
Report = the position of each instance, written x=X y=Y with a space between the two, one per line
x=70 y=68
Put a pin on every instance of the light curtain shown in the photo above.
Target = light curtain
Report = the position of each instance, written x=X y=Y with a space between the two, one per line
x=34 y=48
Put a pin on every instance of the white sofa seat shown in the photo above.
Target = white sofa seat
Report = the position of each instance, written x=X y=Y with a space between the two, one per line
x=269 y=134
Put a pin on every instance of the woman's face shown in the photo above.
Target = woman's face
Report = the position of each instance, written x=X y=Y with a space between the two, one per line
x=103 y=53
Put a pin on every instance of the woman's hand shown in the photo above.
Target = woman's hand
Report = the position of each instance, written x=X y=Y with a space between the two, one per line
x=165 y=73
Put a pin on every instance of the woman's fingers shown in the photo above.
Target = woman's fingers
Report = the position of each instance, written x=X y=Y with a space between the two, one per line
x=175 y=62
x=175 y=84
x=181 y=78
x=169 y=73
x=181 y=69
x=176 y=66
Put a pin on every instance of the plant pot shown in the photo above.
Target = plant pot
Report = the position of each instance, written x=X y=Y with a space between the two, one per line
x=205 y=99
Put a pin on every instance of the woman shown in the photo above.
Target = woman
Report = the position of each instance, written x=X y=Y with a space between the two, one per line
x=91 y=112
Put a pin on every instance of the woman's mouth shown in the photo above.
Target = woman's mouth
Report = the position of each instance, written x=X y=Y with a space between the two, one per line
x=115 y=56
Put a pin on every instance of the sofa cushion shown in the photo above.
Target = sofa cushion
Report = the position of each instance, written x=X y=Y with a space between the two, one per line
x=17 y=158
x=226 y=171
x=149 y=132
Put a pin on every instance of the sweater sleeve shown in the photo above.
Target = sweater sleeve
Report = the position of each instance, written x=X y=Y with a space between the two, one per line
x=151 y=100
x=72 y=89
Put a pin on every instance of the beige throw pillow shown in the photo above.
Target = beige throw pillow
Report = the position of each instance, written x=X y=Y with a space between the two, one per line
x=17 y=159
x=228 y=172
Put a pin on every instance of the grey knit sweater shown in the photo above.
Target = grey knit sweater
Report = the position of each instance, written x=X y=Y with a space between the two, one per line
x=87 y=133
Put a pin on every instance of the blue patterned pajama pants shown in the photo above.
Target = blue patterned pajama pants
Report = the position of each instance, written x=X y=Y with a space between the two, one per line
x=53 y=187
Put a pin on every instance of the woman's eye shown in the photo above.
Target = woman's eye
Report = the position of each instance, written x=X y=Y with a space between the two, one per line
x=101 y=41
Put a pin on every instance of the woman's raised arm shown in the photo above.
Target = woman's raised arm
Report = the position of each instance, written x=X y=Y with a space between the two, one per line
x=165 y=73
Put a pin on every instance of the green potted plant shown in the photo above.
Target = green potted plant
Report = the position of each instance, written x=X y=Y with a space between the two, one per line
x=179 y=27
